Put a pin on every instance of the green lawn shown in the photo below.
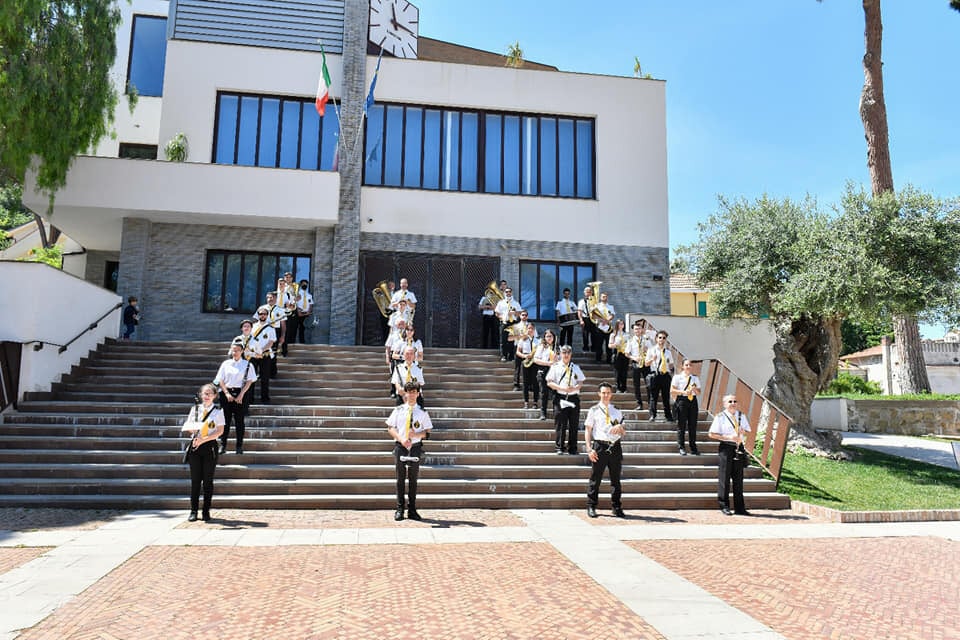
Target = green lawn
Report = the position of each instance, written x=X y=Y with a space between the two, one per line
x=871 y=482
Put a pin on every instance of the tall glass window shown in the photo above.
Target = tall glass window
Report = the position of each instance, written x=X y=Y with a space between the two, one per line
x=542 y=284
x=269 y=131
x=148 y=55
x=464 y=150
x=237 y=281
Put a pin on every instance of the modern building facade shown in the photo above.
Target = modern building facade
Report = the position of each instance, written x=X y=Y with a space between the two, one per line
x=461 y=171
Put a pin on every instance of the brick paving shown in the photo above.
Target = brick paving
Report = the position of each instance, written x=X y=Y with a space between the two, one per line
x=31 y=519
x=11 y=558
x=860 y=588
x=469 y=591
x=699 y=516
x=345 y=519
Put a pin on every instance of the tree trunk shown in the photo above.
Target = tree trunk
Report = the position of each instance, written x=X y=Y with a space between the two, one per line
x=42 y=231
x=805 y=361
x=912 y=372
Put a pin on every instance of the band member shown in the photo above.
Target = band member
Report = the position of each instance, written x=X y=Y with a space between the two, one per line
x=547 y=354
x=408 y=340
x=508 y=311
x=617 y=345
x=728 y=427
x=288 y=292
x=583 y=315
x=396 y=336
x=526 y=349
x=647 y=332
x=603 y=323
x=517 y=332
x=566 y=307
x=408 y=425
x=685 y=388
x=385 y=326
x=603 y=430
x=636 y=353
x=403 y=293
x=304 y=309
x=278 y=321
x=234 y=379
x=488 y=332
x=205 y=423
x=566 y=378
x=408 y=371
x=263 y=338
x=401 y=314
x=660 y=362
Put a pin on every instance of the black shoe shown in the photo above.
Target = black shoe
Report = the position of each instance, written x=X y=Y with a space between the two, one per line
x=265 y=401
x=574 y=452
x=591 y=511
x=695 y=452
x=398 y=514
x=742 y=512
x=223 y=449
x=413 y=515
x=683 y=451
x=239 y=451
x=618 y=513
x=726 y=511
x=206 y=516
x=192 y=517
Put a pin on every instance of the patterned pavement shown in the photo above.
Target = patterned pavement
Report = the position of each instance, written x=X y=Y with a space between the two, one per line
x=484 y=574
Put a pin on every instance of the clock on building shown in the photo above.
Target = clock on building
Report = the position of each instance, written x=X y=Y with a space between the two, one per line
x=394 y=26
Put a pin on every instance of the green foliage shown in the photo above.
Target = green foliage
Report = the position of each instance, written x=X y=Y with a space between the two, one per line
x=53 y=256
x=176 y=148
x=56 y=97
x=12 y=212
x=638 y=71
x=913 y=397
x=514 y=55
x=845 y=383
x=858 y=335
x=870 y=482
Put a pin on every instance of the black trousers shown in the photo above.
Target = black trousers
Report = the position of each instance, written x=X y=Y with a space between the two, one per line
x=517 y=366
x=263 y=367
x=407 y=471
x=587 y=330
x=545 y=391
x=730 y=469
x=601 y=342
x=620 y=364
x=489 y=331
x=659 y=384
x=530 y=382
x=566 y=335
x=566 y=422
x=507 y=349
x=609 y=456
x=687 y=413
x=202 y=465
x=639 y=375
x=294 y=326
x=233 y=412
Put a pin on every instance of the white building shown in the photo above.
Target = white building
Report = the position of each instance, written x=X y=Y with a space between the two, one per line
x=465 y=171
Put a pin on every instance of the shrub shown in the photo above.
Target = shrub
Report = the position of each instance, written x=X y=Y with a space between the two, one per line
x=846 y=384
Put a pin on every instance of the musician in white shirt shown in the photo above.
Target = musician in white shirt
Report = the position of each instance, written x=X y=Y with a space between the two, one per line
x=526 y=349
x=408 y=339
x=636 y=353
x=728 y=427
x=304 y=308
x=395 y=336
x=603 y=326
x=660 y=361
x=408 y=425
x=403 y=293
x=603 y=430
x=408 y=371
x=263 y=338
x=234 y=379
x=508 y=310
x=546 y=355
x=566 y=379
x=586 y=324
x=565 y=307
x=684 y=389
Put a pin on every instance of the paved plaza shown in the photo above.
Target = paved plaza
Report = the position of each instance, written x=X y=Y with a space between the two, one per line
x=473 y=574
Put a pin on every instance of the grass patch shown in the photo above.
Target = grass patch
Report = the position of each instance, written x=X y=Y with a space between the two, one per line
x=906 y=396
x=872 y=481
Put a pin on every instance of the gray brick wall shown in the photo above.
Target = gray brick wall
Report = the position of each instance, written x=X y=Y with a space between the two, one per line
x=346 y=239
x=627 y=272
x=134 y=265
x=96 y=266
x=321 y=285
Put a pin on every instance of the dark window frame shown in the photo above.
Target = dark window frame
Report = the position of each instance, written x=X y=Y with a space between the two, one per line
x=148 y=151
x=261 y=255
x=575 y=288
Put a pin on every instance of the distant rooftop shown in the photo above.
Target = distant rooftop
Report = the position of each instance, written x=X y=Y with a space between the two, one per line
x=685 y=282
x=440 y=51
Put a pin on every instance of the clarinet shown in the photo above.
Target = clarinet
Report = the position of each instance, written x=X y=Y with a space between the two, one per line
x=196 y=416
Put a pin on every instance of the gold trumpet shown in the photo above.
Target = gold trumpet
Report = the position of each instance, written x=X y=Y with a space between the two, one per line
x=381 y=295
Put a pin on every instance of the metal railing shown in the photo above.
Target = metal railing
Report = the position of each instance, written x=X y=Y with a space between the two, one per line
x=93 y=325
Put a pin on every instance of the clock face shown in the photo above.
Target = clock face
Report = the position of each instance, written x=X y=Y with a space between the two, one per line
x=394 y=26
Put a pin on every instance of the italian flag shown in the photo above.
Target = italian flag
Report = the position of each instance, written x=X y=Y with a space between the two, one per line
x=323 y=90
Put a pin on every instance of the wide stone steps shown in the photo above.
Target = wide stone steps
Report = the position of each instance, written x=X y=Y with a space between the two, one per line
x=108 y=436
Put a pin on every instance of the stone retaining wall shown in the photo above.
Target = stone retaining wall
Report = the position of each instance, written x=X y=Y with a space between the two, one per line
x=901 y=417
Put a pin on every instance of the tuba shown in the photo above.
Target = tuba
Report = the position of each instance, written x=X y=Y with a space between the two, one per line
x=492 y=294
x=592 y=310
x=381 y=295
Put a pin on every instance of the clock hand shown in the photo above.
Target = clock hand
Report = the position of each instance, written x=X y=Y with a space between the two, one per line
x=393 y=20
x=400 y=25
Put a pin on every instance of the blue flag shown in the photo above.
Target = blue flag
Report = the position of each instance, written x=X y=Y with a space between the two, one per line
x=373 y=85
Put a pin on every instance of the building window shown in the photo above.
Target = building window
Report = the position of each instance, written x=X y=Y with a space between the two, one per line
x=542 y=285
x=148 y=54
x=274 y=131
x=138 y=151
x=237 y=281
x=460 y=150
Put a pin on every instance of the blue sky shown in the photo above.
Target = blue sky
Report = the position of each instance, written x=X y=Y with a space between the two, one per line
x=762 y=96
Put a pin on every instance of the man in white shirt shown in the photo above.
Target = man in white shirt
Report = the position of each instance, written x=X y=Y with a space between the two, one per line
x=408 y=425
x=602 y=327
x=728 y=427
x=508 y=311
x=408 y=371
x=637 y=355
x=234 y=379
x=278 y=320
x=304 y=308
x=603 y=430
x=566 y=379
x=565 y=307
x=488 y=331
x=403 y=293
x=586 y=324
x=660 y=361
x=262 y=340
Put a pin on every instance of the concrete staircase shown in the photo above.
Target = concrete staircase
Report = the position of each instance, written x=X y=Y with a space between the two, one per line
x=108 y=436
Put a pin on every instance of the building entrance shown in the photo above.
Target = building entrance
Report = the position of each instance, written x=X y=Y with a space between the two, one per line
x=448 y=289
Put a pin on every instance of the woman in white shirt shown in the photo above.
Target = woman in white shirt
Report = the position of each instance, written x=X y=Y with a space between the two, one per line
x=684 y=390
x=205 y=424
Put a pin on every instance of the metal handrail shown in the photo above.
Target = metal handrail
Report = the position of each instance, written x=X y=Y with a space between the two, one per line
x=719 y=380
x=93 y=325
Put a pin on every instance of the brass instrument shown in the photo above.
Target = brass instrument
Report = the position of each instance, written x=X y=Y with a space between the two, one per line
x=528 y=361
x=381 y=295
x=594 y=299
x=492 y=294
